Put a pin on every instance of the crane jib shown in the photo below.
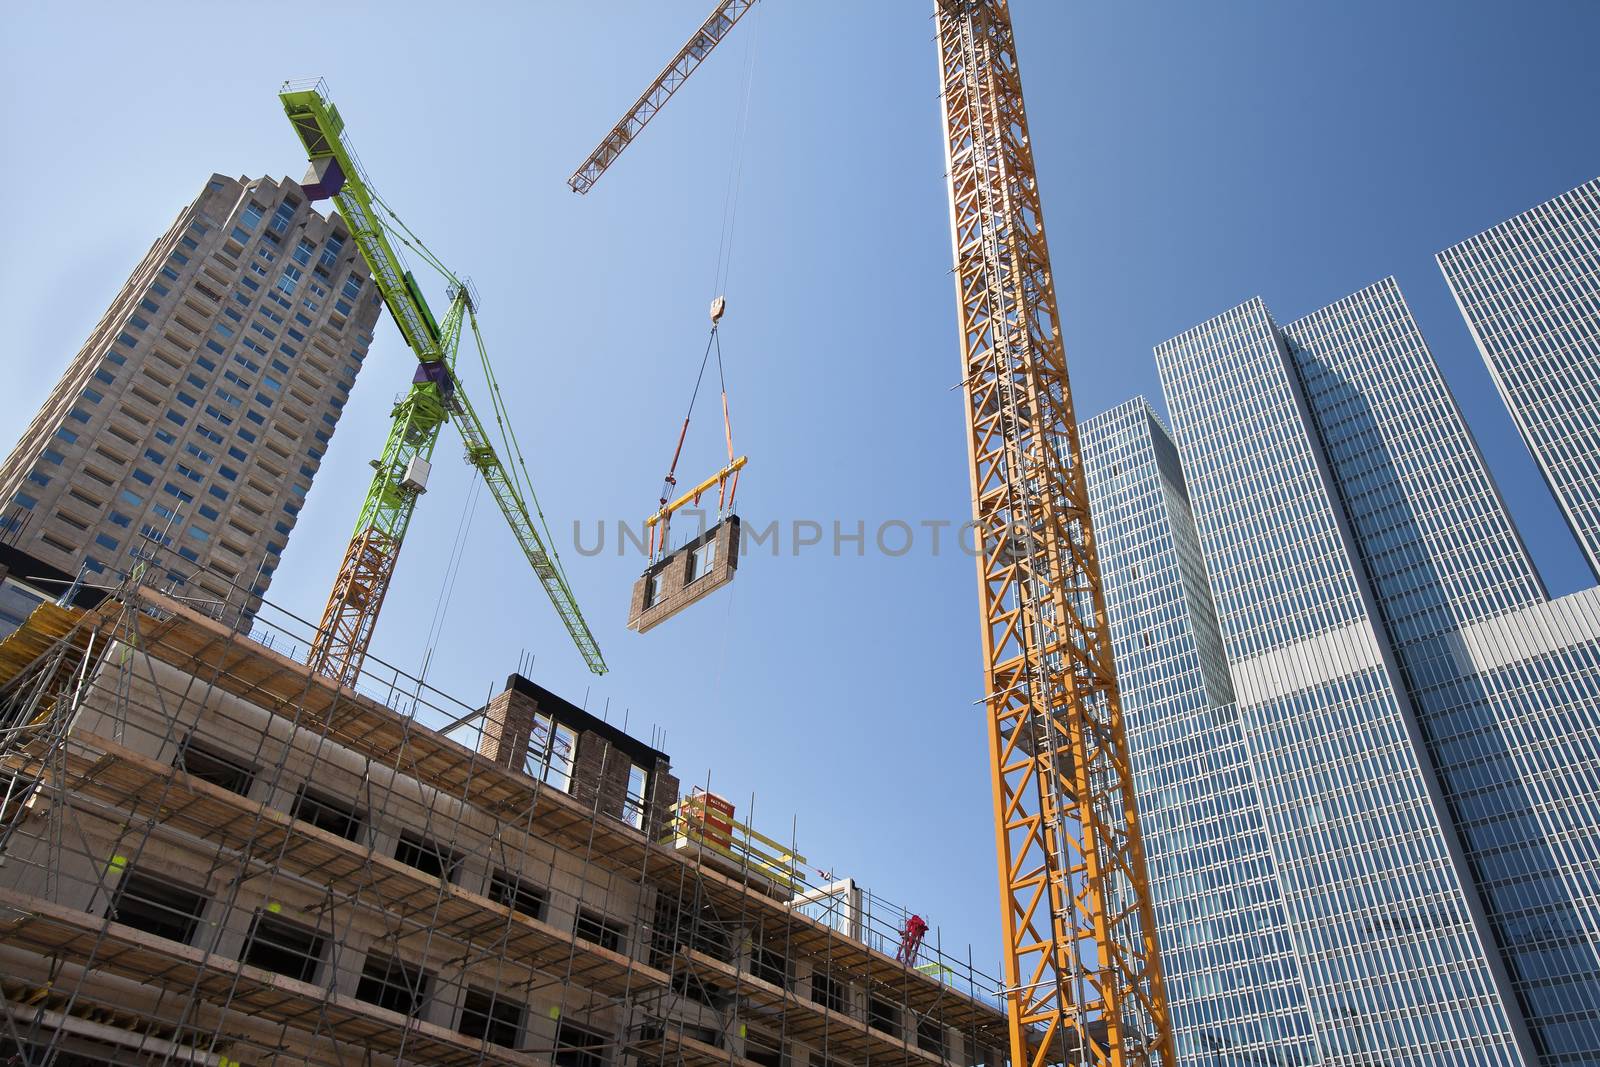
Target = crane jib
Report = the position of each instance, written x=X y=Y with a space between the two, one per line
x=435 y=396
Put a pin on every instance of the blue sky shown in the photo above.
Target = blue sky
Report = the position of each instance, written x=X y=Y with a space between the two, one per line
x=1191 y=156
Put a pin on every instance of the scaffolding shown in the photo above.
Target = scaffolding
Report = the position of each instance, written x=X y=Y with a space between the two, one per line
x=210 y=854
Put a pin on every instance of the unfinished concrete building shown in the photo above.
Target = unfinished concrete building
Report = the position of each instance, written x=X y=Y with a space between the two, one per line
x=211 y=855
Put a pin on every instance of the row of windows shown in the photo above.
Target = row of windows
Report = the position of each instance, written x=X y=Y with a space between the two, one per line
x=159 y=906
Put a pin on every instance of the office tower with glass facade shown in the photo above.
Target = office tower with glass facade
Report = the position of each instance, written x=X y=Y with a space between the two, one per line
x=186 y=432
x=1232 y=975
x=1433 y=823
x=1529 y=289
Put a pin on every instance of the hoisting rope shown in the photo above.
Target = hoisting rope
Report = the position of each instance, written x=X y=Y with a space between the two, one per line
x=447 y=584
x=728 y=478
x=730 y=196
x=516 y=467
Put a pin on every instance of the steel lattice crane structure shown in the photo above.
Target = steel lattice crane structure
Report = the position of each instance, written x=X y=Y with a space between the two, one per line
x=1081 y=962
x=436 y=396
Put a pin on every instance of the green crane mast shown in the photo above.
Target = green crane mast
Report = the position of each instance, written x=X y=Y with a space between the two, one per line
x=435 y=397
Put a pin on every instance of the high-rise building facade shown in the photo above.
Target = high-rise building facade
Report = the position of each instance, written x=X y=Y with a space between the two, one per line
x=187 y=431
x=1427 y=823
x=1233 y=978
x=1529 y=289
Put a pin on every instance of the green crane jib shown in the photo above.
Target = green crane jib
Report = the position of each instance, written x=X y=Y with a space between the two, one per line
x=435 y=397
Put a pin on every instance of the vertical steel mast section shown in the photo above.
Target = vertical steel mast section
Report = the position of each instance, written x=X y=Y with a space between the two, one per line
x=435 y=397
x=1080 y=945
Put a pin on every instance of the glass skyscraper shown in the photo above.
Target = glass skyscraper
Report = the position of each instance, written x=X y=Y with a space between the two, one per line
x=1404 y=738
x=1529 y=289
x=1233 y=978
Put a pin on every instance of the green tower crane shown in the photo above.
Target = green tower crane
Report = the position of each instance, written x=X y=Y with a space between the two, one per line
x=435 y=397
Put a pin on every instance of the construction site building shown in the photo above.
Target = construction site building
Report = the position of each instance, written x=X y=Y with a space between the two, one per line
x=210 y=854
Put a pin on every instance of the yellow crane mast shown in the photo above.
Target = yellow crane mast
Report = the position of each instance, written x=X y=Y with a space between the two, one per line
x=1081 y=962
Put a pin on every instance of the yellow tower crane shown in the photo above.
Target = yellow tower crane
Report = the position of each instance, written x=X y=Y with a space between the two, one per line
x=1081 y=963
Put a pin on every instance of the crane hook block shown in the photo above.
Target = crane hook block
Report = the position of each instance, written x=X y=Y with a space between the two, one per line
x=718 y=306
x=670 y=584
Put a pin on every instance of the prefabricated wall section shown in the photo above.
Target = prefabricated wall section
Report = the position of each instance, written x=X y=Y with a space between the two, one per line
x=685 y=576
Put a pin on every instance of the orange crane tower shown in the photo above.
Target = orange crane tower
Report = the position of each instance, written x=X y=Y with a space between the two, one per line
x=1081 y=962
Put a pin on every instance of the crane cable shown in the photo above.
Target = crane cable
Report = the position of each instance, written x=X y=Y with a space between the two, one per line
x=720 y=272
x=517 y=470
x=730 y=196
x=447 y=583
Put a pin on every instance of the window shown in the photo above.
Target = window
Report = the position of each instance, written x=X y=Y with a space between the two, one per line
x=702 y=559
x=327 y=814
x=208 y=765
x=763 y=1049
x=144 y=477
x=633 y=804
x=883 y=1015
x=106 y=541
x=428 y=856
x=251 y=215
x=599 y=930
x=157 y=907
x=491 y=1018
x=930 y=1036
x=578 y=1047
x=769 y=965
x=277 y=945
x=330 y=253
x=829 y=992
x=551 y=748
x=285 y=212
x=391 y=984
x=516 y=894
x=652 y=588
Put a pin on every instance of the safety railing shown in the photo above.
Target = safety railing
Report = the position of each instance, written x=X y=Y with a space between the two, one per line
x=705 y=821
